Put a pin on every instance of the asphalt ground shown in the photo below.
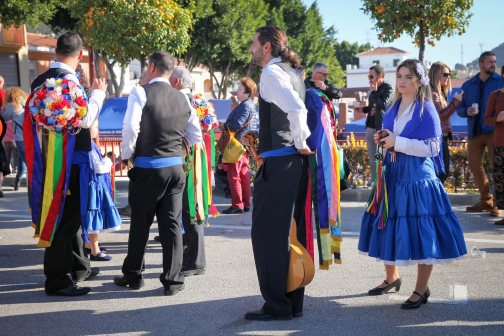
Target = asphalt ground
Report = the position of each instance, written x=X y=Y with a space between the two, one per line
x=467 y=296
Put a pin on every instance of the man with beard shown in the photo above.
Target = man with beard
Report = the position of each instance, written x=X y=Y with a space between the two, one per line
x=280 y=186
x=480 y=136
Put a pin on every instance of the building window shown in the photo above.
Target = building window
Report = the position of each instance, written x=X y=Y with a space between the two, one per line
x=9 y=68
x=376 y=62
x=396 y=62
x=33 y=68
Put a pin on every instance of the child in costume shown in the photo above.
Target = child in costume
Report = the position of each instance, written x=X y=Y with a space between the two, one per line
x=409 y=219
x=102 y=215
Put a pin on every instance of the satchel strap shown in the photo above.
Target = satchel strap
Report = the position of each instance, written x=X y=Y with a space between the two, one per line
x=245 y=125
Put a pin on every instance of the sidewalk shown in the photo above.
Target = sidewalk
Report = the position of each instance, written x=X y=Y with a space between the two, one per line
x=467 y=297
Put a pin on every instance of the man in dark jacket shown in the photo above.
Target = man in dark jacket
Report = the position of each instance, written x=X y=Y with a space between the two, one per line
x=379 y=96
x=318 y=80
x=480 y=136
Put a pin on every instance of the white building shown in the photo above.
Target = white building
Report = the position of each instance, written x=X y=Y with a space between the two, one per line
x=388 y=57
x=200 y=76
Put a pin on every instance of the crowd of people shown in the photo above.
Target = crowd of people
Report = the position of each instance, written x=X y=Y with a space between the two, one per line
x=408 y=131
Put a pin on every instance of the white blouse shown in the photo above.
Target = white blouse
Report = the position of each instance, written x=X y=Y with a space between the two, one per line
x=412 y=147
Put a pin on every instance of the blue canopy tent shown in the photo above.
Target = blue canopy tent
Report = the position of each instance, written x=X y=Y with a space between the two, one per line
x=112 y=115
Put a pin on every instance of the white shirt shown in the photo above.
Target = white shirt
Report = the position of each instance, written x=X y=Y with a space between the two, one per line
x=131 y=123
x=412 y=147
x=95 y=101
x=276 y=87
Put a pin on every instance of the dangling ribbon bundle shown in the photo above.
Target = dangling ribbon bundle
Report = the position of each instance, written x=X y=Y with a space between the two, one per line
x=325 y=175
x=378 y=200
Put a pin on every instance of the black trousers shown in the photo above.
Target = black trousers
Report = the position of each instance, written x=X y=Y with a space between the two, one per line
x=280 y=189
x=66 y=253
x=155 y=192
x=194 y=239
x=446 y=160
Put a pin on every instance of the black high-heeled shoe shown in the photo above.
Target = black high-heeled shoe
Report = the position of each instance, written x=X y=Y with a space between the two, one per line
x=384 y=290
x=424 y=298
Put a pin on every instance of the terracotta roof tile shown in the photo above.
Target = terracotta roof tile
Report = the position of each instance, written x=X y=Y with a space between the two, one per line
x=382 y=51
x=41 y=40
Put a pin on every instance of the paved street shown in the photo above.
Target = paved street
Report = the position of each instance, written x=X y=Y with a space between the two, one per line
x=467 y=296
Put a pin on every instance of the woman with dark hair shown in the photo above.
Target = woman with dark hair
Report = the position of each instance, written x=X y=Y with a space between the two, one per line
x=420 y=227
x=439 y=75
x=239 y=121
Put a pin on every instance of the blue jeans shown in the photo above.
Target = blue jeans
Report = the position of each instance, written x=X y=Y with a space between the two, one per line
x=21 y=159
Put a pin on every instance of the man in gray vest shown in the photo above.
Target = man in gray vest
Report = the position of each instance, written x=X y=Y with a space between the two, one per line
x=157 y=180
x=281 y=184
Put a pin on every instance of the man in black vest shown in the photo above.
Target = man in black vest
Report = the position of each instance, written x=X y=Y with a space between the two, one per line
x=281 y=184
x=66 y=253
x=157 y=180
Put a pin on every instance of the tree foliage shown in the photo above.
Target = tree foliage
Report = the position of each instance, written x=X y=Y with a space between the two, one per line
x=220 y=40
x=307 y=35
x=345 y=52
x=125 y=30
x=19 y=12
x=424 y=20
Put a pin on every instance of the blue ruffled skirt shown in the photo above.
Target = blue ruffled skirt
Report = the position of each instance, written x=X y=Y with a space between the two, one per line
x=421 y=226
x=102 y=215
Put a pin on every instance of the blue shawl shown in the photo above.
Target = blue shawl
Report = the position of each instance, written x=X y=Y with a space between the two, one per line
x=424 y=125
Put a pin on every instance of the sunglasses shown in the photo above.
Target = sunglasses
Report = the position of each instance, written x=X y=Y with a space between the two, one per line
x=324 y=74
x=371 y=76
x=446 y=74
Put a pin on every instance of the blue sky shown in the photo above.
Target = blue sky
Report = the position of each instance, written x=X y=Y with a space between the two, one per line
x=486 y=26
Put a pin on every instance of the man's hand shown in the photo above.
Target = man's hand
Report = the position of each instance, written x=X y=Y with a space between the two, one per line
x=99 y=84
x=221 y=125
x=500 y=116
x=305 y=151
x=471 y=111
x=373 y=111
x=245 y=141
x=372 y=87
x=320 y=84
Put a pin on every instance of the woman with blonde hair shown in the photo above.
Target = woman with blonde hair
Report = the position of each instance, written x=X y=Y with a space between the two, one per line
x=15 y=100
x=420 y=227
x=439 y=75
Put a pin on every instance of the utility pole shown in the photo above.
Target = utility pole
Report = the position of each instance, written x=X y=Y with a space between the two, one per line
x=481 y=48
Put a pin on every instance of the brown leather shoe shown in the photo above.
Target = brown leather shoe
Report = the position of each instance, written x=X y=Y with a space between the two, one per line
x=500 y=222
x=495 y=212
x=481 y=206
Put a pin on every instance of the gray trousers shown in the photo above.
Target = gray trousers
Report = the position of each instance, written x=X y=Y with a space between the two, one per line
x=371 y=147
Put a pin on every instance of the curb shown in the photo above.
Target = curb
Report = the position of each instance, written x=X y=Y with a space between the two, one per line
x=349 y=195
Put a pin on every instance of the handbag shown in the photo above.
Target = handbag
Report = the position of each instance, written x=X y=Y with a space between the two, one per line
x=234 y=149
x=225 y=137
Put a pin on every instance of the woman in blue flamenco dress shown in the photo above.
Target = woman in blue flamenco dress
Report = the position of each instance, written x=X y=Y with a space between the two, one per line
x=409 y=219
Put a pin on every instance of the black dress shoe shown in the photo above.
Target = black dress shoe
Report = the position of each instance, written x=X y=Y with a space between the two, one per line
x=300 y=314
x=125 y=211
x=246 y=209
x=70 y=291
x=121 y=281
x=188 y=271
x=232 y=210
x=174 y=289
x=261 y=315
x=384 y=290
x=424 y=298
x=93 y=271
